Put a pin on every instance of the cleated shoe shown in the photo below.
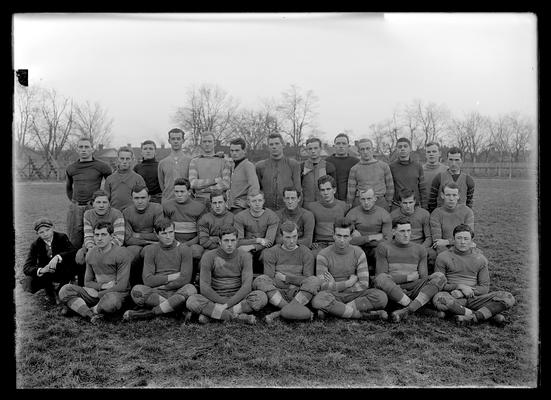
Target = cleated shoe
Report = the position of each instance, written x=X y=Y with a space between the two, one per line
x=465 y=320
x=374 y=315
x=132 y=315
x=498 y=320
x=203 y=319
x=272 y=317
x=321 y=315
x=399 y=315
x=96 y=319
x=247 y=318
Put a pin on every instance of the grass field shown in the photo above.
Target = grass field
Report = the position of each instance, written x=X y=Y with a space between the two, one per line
x=67 y=352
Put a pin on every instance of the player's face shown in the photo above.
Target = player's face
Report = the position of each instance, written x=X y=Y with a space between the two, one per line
x=141 y=200
x=366 y=151
x=218 y=205
x=433 y=154
x=166 y=237
x=84 y=149
x=276 y=147
x=102 y=238
x=101 y=205
x=291 y=200
x=314 y=150
x=181 y=193
x=46 y=233
x=408 y=205
x=327 y=192
x=455 y=162
x=148 y=151
x=450 y=196
x=176 y=140
x=463 y=241
x=342 y=237
x=228 y=243
x=256 y=203
x=368 y=199
x=341 y=146
x=290 y=239
x=236 y=152
x=402 y=233
x=125 y=160
x=403 y=149
x=207 y=143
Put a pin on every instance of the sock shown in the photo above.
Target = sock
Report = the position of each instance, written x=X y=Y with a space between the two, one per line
x=404 y=301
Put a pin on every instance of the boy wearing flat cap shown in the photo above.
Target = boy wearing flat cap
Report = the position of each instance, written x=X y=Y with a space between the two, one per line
x=50 y=262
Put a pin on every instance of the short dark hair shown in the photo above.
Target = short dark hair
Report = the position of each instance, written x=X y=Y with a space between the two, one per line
x=176 y=130
x=239 y=141
x=162 y=223
x=148 y=142
x=326 y=178
x=99 y=193
x=104 y=224
x=255 y=193
x=451 y=185
x=217 y=193
x=406 y=192
x=402 y=219
x=288 y=226
x=291 y=189
x=86 y=139
x=276 y=135
x=125 y=148
x=312 y=140
x=183 y=181
x=138 y=188
x=207 y=133
x=463 y=228
x=227 y=229
x=405 y=140
x=343 y=223
x=433 y=144
x=344 y=135
x=455 y=150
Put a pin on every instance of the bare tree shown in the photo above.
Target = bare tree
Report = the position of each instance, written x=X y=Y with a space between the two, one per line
x=522 y=130
x=25 y=110
x=410 y=122
x=254 y=126
x=297 y=110
x=208 y=108
x=93 y=121
x=431 y=119
x=471 y=133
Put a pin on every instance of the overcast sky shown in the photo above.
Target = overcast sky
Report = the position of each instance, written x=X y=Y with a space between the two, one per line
x=361 y=66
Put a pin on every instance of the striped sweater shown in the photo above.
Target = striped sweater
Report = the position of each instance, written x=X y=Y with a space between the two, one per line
x=208 y=173
x=112 y=215
x=341 y=264
x=185 y=217
x=375 y=174
x=403 y=262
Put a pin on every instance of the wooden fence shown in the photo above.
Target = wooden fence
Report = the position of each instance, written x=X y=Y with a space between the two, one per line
x=500 y=170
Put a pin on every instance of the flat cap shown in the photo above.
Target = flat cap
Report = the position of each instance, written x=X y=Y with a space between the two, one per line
x=42 y=222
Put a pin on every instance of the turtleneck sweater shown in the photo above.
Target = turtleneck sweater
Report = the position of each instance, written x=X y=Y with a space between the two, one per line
x=170 y=168
x=250 y=227
x=399 y=260
x=443 y=220
x=342 y=170
x=148 y=169
x=141 y=222
x=296 y=264
x=420 y=225
x=84 y=178
x=119 y=187
x=225 y=274
x=467 y=268
x=209 y=225
x=341 y=264
x=106 y=266
x=430 y=171
x=206 y=169
x=304 y=220
x=409 y=174
x=324 y=216
x=160 y=261
x=373 y=173
x=375 y=220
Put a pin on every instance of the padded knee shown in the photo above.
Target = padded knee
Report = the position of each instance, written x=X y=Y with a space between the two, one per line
x=110 y=303
x=378 y=298
x=323 y=300
x=504 y=298
x=312 y=285
x=264 y=283
x=257 y=299
x=187 y=290
x=438 y=279
x=442 y=300
x=383 y=282
x=66 y=292
x=195 y=303
x=138 y=294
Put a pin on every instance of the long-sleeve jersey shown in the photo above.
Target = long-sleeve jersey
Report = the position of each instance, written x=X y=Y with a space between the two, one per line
x=466 y=189
x=205 y=170
x=149 y=171
x=342 y=264
x=342 y=170
x=209 y=226
x=468 y=268
x=310 y=173
x=409 y=174
x=141 y=222
x=375 y=174
x=119 y=187
x=103 y=267
x=172 y=167
x=244 y=181
x=296 y=264
x=400 y=261
x=249 y=227
x=160 y=261
x=443 y=220
x=420 y=225
x=185 y=217
x=91 y=218
x=273 y=176
x=224 y=275
x=304 y=220
x=430 y=171
x=325 y=215
x=376 y=220
x=83 y=178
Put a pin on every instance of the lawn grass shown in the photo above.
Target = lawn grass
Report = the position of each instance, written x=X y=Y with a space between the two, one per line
x=66 y=352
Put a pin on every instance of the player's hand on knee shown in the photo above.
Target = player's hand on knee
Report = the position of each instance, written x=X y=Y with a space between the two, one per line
x=456 y=293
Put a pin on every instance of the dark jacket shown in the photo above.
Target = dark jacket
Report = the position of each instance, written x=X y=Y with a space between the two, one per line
x=38 y=255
